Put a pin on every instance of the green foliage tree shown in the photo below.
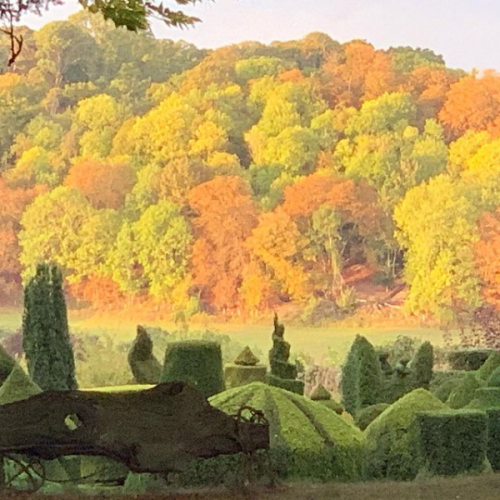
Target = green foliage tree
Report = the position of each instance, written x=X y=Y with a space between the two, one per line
x=46 y=340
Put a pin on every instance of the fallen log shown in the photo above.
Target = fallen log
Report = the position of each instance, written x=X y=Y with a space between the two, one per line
x=158 y=430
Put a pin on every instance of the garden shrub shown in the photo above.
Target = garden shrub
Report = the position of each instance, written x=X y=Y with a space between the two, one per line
x=399 y=383
x=465 y=392
x=494 y=378
x=244 y=370
x=392 y=438
x=494 y=439
x=322 y=396
x=145 y=367
x=144 y=483
x=195 y=362
x=453 y=442
x=308 y=441
x=443 y=383
x=349 y=383
x=422 y=365
x=485 y=398
x=489 y=366
x=332 y=405
x=103 y=469
x=7 y=363
x=296 y=386
x=367 y=415
x=468 y=359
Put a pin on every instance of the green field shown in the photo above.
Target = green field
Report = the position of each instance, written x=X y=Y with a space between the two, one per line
x=313 y=341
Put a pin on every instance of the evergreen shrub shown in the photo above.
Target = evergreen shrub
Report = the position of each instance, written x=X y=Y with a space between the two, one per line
x=443 y=383
x=296 y=386
x=422 y=365
x=145 y=367
x=238 y=375
x=494 y=438
x=485 y=398
x=453 y=442
x=489 y=366
x=195 y=362
x=465 y=392
x=392 y=438
x=494 y=378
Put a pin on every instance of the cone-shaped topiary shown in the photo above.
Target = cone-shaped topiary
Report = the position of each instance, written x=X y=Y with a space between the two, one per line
x=494 y=378
x=490 y=365
x=246 y=358
x=307 y=441
x=320 y=394
x=465 y=392
x=145 y=367
x=197 y=362
x=46 y=340
x=17 y=387
x=361 y=383
x=421 y=366
x=392 y=438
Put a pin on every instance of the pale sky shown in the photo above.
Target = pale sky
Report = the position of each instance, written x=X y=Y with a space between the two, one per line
x=465 y=32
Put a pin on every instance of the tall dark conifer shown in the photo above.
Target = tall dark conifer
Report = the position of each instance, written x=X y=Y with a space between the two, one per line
x=46 y=339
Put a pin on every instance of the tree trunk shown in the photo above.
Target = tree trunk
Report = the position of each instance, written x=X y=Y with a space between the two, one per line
x=156 y=430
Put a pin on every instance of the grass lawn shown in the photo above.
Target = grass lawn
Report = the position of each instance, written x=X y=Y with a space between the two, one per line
x=485 y=487
x=314 y=341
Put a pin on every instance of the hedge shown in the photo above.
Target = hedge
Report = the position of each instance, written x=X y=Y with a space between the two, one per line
x=197 y=362
x=296 y=386
x=366 y=416
x=308 y=441
x=489 y=366
x=443 y=383
x=392 y=438
x=468 y=359
x=494 y=439
x=465 y=392
x=453 y=442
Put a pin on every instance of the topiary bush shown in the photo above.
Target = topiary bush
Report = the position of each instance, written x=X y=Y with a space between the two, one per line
x=493 y=452
x=296 y=386
x=195 y=362
x=17 y=387
x=367 y=415
x=453 y=442
x=361 y=383
x=494 y=378
x=485 y=398
x=465 y=392
x=308 y=441
x=468 y=359
x=443 y=383
x=489 y=366
x=421 y=366
x=392 y=438
x=244 y=370
x=145 y=367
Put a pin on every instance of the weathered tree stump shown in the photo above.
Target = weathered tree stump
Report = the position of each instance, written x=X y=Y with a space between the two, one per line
x=157 y=430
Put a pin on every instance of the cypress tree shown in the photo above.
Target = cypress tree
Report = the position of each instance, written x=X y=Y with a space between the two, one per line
x=46 y=339
x=349 y=384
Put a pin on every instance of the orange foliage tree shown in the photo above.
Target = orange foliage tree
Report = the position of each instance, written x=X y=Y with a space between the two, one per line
x=473 y=103
x=487 y=253
x=224 y=216
x=104 y=184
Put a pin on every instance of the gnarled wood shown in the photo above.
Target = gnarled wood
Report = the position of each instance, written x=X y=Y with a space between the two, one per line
x=156 y=430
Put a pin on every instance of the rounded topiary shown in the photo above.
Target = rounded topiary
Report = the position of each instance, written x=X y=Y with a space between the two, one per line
x=307 y=440
x=196 y=362
x=490 y=365
x=421 y=366
x=465 y=392
x=145 y=367
x=494 y=378
x=367 y=415
x=392 y=438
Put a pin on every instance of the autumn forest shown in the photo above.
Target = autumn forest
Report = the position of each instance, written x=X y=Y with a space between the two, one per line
x=250 y=177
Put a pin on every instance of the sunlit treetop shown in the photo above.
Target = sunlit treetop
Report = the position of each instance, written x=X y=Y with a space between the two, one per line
x=133 y=14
